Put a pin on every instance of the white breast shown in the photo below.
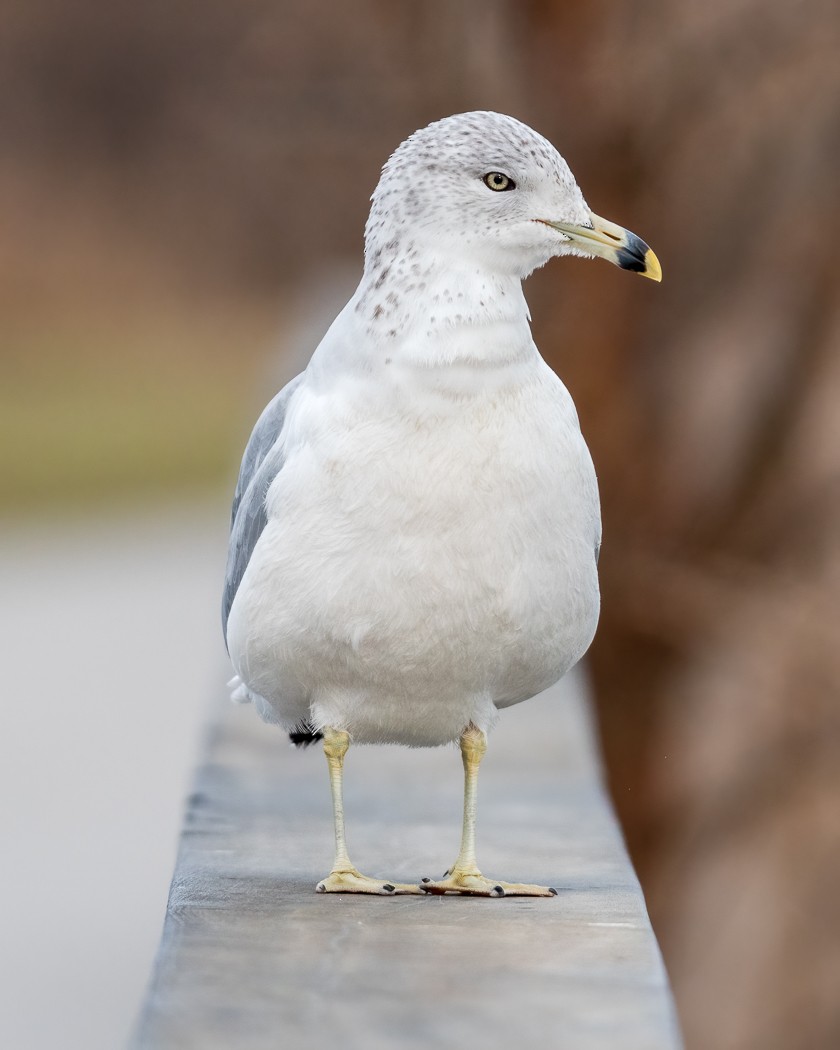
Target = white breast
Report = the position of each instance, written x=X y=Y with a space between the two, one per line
x=428 y=558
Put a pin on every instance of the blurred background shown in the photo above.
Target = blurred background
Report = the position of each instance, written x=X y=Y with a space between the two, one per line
x=180 y=182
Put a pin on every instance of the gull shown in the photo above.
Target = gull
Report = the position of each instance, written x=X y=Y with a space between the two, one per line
x=416 y=525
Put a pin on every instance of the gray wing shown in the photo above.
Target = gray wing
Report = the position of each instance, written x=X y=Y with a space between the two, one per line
x=261 y=464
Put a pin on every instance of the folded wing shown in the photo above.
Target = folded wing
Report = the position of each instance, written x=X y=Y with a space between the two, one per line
x=261 y=463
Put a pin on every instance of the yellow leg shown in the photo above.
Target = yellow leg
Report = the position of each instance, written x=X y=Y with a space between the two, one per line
x=344 y=878
x=464 y=876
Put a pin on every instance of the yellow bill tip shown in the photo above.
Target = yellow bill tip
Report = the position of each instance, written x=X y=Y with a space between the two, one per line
x=652 y=269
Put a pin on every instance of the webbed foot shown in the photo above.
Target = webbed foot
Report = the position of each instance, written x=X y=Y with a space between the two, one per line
x=475 y=884
x=352 y=881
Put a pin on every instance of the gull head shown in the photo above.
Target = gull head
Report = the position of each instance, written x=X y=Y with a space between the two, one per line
x=485 y=188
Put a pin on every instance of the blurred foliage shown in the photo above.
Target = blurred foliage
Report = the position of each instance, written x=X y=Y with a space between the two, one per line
x=710 y=408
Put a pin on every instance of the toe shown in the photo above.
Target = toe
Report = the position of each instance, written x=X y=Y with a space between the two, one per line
x=476 y=885
x=355 y=882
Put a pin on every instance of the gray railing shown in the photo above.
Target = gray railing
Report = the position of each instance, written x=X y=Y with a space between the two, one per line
x=253 y=958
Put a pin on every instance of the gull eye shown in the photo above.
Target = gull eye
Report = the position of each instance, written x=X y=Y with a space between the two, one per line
x=495 y=180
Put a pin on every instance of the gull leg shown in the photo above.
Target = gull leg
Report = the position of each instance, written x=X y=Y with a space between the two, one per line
x=464 y=876
x=344 y=878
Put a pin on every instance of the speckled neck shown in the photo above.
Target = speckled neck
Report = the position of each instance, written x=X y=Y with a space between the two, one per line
x=439 y=311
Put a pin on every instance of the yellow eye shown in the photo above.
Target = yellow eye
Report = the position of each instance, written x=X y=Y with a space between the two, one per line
x=495 y=180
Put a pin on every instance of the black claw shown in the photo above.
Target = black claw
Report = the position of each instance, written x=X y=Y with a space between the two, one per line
x=388 y=887
x=498 y=891
x=445 y=873
x=552 y=891
x=427 y=879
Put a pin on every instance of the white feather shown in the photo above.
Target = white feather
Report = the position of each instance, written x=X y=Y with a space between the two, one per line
x=429 y=554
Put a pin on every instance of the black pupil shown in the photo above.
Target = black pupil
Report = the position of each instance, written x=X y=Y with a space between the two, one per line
x=498 y=179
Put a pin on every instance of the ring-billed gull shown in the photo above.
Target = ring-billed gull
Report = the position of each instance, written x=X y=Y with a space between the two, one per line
x=416 y=527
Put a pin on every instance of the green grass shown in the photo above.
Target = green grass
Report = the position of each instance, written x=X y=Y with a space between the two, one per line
x=115 y=411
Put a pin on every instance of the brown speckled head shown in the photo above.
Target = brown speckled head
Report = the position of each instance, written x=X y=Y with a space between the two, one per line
x=476 y=187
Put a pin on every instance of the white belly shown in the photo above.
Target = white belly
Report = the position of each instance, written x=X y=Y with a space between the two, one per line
x=422 y=575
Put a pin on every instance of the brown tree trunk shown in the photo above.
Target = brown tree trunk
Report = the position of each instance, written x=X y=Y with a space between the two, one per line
x=711 y=408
